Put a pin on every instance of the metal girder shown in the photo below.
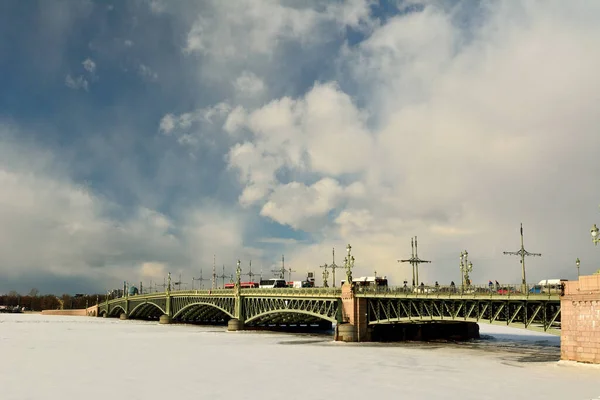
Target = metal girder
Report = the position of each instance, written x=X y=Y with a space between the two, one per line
x=256 y=308
x=225 y=304
x=116 y=310
x=143 y=307
x=536 y=315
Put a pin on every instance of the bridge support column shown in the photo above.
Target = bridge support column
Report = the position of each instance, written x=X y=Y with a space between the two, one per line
x=235 y=324
x=167 y=318
x=354 y=326
x=580 y=320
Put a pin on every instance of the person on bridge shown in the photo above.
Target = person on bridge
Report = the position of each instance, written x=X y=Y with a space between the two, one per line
x=497 y=286
x=437 y=286
x=422 y=288
x=490 y=284
x=452 y=286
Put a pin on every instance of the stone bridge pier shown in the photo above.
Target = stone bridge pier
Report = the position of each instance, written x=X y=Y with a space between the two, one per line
x=580 y=320
x=354 y=326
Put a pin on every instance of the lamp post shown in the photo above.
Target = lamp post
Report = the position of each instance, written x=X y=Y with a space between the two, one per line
x=349 y=264
x=325 y=276
x=577 y=262
x=594 y=233
x=465 y=268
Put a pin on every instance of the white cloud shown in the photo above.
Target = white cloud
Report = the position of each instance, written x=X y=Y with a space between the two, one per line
x=323 y=133
x=224 y=33
x=76 y=83
x=157 y=6
x=301 y=206
x=466 y=138
x=51 y=225
x=195 y=128
x=236 y=119
x=453 y=124
x=147 y=73
x=248 y=85
x=89 y=65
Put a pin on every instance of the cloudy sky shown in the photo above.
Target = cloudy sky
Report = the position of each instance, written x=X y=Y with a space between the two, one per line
x=142 y=137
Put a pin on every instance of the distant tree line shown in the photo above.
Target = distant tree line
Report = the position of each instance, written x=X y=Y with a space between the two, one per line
x=35 y=302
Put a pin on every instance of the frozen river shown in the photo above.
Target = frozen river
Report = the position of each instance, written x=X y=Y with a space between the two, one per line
x=49 y=357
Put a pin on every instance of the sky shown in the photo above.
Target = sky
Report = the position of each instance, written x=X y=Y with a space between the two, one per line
x=136 y=360
x=145 y=137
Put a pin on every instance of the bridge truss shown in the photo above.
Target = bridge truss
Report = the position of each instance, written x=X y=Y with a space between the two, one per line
x=537 y=315
x=260 y=307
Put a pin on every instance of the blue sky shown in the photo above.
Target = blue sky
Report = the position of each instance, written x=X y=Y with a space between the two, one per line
x=142 y=137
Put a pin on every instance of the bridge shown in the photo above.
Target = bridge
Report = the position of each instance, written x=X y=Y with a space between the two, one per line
x=364 y=313
x=360 y=313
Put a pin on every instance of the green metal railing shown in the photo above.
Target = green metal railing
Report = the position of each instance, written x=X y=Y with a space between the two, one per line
x=471 y=291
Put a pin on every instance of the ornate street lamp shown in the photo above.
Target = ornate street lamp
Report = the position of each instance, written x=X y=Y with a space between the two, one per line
x=349 y=264
x=466 y=267
x=577 y=262
x=325 y=276
x=238 y=273
x=594 y=233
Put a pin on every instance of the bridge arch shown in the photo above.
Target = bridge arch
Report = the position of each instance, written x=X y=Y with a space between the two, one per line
x=202 y=304
x=142 y=305
x=289 y=311
x=114 y=309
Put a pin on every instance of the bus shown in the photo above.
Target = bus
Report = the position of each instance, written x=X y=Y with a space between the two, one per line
x=372 y=281
x=273 y=283
x=548 y=286
x=243 y=285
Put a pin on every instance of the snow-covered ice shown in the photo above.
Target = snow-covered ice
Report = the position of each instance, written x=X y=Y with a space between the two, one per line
x=50 y=357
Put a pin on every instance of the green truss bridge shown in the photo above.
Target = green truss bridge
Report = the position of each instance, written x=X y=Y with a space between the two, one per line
x=359 y=313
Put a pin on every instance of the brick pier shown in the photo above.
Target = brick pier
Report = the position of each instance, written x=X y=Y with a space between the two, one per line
x=580 y=320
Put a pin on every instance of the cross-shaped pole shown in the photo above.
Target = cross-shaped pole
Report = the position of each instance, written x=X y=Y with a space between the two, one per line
x=281 y=271
x=250 y=274
x=414 y=261
x=333 y=267
x=522 y=253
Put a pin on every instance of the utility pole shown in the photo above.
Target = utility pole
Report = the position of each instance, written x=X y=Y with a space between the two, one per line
x=522 y=253
x=201 y=279
x=164 y=285
x=289 y=270
x=214 y=274
x=414 y=260
x=281 y=271
x=179 y=283
x=223 y=276
x=250 y=274
x=333 y=266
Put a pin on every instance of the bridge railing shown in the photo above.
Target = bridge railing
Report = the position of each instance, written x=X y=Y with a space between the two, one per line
x=318 y=291
x=494 y=291
x=228 y=292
